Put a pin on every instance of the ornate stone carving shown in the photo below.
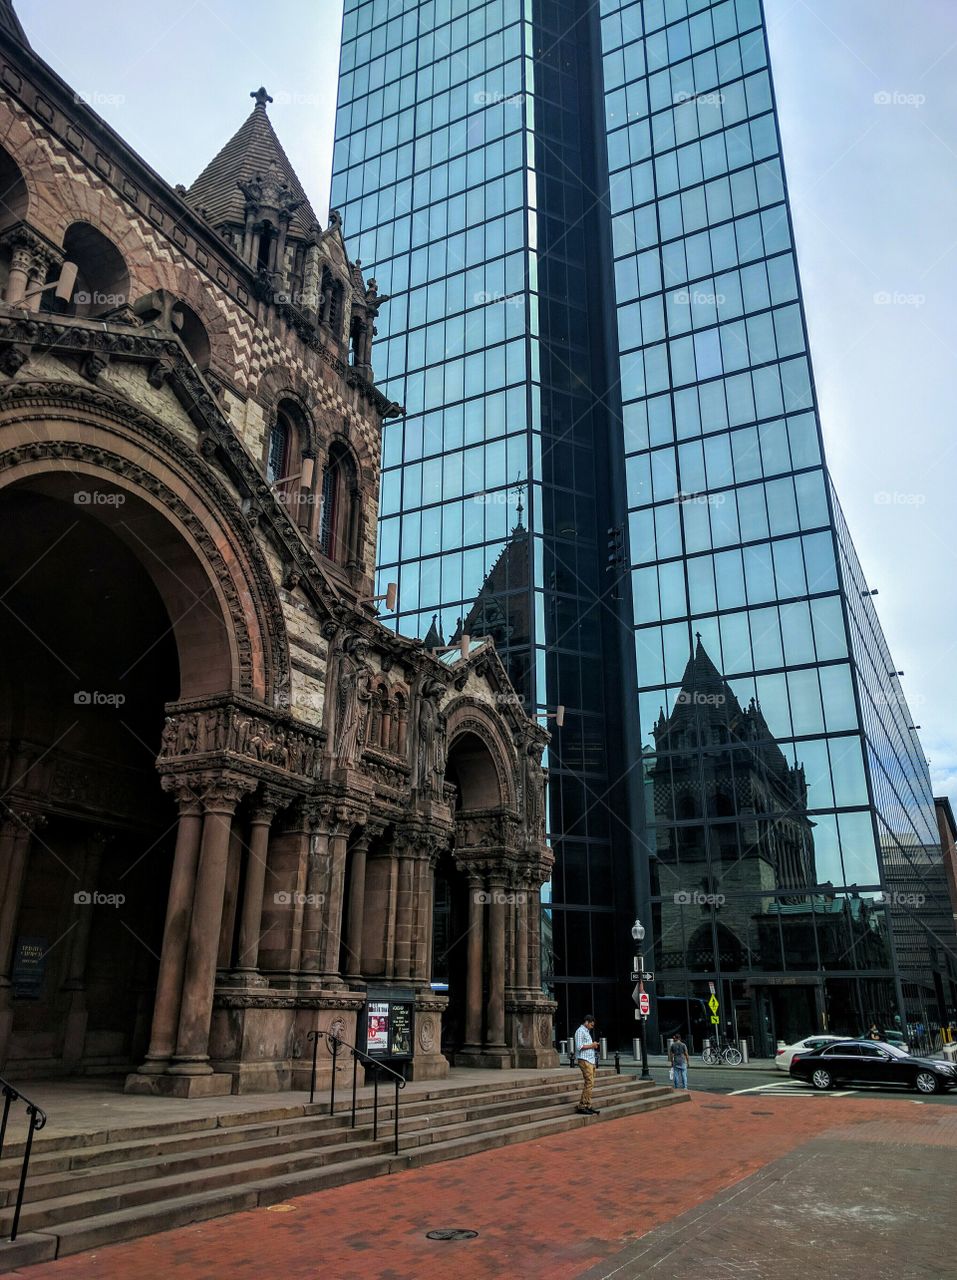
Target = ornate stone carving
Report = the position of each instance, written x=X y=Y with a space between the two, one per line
x=426 y=1034
x=233 y=729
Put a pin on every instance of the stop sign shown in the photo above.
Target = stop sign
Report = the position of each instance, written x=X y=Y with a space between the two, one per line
x=644 y=1004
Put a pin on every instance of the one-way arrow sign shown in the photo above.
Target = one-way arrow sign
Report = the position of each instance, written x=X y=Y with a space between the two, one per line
x=641 y=975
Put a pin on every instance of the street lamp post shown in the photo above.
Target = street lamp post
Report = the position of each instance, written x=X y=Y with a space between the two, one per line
x=638 y=934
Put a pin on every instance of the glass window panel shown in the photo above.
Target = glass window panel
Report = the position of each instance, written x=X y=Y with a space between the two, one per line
x=807 y=715
x=796 y=628
x=766 y=638
x=858 y=847
x=772 y=695
x=752 y=513
x=838 y=693
x=828 y=621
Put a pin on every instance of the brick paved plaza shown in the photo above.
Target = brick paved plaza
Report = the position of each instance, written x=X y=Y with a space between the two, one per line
x=745 y=1186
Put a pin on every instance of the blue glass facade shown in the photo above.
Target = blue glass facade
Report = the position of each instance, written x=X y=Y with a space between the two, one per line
x=612 y=462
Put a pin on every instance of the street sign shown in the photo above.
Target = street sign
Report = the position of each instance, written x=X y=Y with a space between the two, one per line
x=642 y=975
x=713 y=1004
x=715 y=1019
x=644 y=1004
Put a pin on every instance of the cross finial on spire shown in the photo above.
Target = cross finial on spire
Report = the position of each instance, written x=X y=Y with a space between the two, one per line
x=261 y=96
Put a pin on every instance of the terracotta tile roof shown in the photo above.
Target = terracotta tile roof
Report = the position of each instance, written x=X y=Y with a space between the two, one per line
x=251 y=152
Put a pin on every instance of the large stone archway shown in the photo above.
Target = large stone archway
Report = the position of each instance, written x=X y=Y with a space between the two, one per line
x=500 y=860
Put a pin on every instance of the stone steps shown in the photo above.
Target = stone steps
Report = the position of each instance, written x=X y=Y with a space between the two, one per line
x=93 y=1168
x=89 y=1190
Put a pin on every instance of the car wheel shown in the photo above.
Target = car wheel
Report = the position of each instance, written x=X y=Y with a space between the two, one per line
x=925 y=1082
x=821 y=1079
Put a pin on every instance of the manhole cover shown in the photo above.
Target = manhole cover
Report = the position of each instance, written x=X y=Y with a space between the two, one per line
x=451 y=1233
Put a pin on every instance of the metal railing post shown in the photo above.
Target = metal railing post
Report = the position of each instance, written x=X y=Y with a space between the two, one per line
x=32 y=1113
x=8 y=1096
x=375 y=1106
x=332 y=1096
x=396 y=1149
x=37 y=1119
x=355 y=1072
x=314 y=1037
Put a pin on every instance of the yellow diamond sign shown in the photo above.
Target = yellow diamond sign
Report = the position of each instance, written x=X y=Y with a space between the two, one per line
x=713 y=1004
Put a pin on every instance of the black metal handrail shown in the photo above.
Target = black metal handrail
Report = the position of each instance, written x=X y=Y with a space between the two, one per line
x=367 y=1060
x=38 y=1118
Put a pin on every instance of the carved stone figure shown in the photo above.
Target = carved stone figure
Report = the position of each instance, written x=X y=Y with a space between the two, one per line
x=354 y=697
x=169 y=737
x=431 y=744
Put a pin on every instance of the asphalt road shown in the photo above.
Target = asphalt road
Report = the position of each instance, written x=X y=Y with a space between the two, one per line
x=774 y=1083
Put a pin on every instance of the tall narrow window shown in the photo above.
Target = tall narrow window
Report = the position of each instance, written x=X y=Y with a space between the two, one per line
x=327 y=510
x=338 y=512
x=278 y=457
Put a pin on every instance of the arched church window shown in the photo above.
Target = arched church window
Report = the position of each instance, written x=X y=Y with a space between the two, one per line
x=277 y=459
x=338 y=506
x=102 y=280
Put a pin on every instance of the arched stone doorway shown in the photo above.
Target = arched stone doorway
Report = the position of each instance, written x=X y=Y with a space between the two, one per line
x=487 y=886
x=89 y=662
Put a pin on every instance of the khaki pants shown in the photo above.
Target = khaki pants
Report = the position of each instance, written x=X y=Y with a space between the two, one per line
x=588 y=1082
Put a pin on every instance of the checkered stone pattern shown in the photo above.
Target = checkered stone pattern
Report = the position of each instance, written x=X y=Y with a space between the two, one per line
x=65 y=189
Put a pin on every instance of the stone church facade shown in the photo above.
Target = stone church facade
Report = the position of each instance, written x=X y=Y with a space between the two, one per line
x=230 y=799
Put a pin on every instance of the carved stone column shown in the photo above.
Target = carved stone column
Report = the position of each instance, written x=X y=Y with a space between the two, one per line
x=520 y=949
x=332 y=942
x=496 y=981
x=250 y=927
x=405 y=903
x=179 y=909
x=475 y=960
x=74 y=1035
x=191 y=1059
x=317 y=880
x=356 y=906
x=18 y=837
x=535 y=938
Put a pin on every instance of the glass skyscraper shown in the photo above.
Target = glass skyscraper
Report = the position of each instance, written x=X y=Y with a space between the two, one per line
x=611 y=462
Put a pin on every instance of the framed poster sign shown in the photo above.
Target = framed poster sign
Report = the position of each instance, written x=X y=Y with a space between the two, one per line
x=400 y=1030
x=377 y=1027
x=29 y=966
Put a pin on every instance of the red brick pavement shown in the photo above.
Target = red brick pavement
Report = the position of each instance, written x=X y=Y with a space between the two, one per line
x=554 y=1207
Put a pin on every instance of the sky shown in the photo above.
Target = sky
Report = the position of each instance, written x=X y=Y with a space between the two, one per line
x=867 y=97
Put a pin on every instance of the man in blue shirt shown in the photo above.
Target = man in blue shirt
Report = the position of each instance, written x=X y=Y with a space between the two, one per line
x=586 y=1055
x=678 y=1057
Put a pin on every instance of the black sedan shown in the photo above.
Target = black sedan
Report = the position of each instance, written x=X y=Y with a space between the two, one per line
x=871 y=1062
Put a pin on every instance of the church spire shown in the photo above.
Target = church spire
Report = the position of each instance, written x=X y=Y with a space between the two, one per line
x=250 y=183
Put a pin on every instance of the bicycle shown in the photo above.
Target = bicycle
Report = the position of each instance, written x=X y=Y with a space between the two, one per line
x=724 y=1052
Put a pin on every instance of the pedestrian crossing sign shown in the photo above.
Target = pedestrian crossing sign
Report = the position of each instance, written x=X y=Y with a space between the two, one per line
x=713 y=1004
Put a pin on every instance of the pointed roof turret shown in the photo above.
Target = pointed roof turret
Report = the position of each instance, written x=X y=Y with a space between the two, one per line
x=10 y=24
x=252 y=161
